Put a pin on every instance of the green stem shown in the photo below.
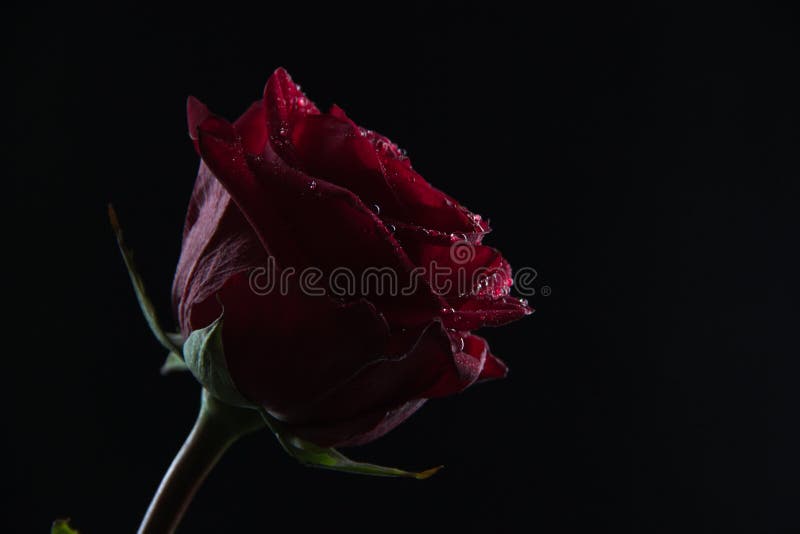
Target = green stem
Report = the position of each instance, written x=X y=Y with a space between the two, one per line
x=218 y=425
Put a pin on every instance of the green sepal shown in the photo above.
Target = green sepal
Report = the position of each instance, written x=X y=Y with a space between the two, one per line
x=173 y=363
x=313 y=455
x=61 y=526
x=205 y=358
x=170 y=341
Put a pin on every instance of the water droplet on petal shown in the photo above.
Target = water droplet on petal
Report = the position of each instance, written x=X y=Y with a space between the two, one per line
x=457 y=343
x=447 y=310
x=376 y=208
x=524 y=302
x=312 y=185
x=392 y=228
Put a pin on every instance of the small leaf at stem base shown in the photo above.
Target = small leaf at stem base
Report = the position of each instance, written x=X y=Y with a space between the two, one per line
x=61 y=526
x=313 y=455
x=168 y=340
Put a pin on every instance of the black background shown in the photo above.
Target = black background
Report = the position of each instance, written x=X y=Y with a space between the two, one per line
x=643 y=161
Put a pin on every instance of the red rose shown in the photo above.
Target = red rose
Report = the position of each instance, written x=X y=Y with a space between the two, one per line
x=302 y=189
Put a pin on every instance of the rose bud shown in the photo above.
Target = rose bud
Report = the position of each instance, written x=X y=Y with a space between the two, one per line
x=287 y=190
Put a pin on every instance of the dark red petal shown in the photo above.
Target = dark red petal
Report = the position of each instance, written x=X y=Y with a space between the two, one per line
x=360 y=430
x=334 y=150
x=217 y=242
x=425 y=205
x=422 y=205
x=285 y=349
x=493 y=369
x=461 y=269
x=252 y=128
x=388 y=384
x=306 y=222
x=483 y=311
x=469 y=364
x=228 y=161
x=412 y=235
x=284 y=104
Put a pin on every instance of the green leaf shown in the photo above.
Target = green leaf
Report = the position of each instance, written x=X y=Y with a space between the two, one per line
x=313 y=455
x=205 y=358
x=173 y=363
x=168 y=340
x=61 y=526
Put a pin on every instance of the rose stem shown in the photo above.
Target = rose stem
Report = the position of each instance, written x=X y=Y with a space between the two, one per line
x=218 y=425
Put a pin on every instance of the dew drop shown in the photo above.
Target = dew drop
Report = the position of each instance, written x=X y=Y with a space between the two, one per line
x=457 y=344
x=312 y=185
x=392 y=228
x=376 y=208
x=524 y=302
x=448 y=310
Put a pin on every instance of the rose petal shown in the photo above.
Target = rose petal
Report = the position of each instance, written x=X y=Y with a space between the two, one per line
x=493 y=369
x=286 y=349
x=196 y=112
x=305 y=222
x=477 y=312
x=469 y=363
x=461 y=269
x=422 y=204
x=252 y=127
x=284 y=104
x=388 y=384
x=217 y=243
x=358 y=431
x=333 y=149
x=414 y=235
x=425 y=205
